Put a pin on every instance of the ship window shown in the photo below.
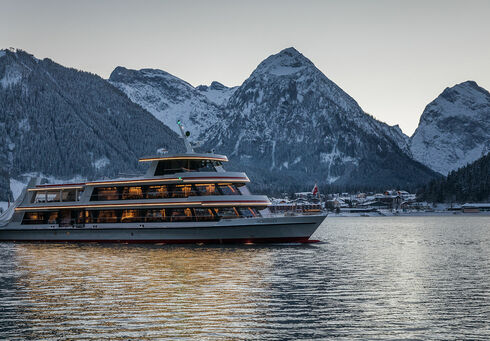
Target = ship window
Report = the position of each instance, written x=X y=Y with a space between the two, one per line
x=88 y=217
x=65 y=218
x=80 y=217
x=56 y=195
x=52 y=217
x=105 y=193
x=179 y=166
x=39 y=197
x=131 y=193
x=33 y=218
x=226 y=212
x=247 y=212
x=228 y=189
x=156 y=215
x=208 y=189
x=157 y=192
x=53 y=196
x=180 y=214
x=44 y=217
x=171 y=167
x=68 y=195
x=204 y=214
x=183 y=191
x=131 y=216
x=107 y=216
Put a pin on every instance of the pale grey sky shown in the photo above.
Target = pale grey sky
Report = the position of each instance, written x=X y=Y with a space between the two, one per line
x=393 y=57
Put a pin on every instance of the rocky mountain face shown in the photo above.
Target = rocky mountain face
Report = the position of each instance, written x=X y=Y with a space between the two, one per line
x=454 y=129
x=63 y=122
x=217 y=93
x=170 y=98
x=289 y=124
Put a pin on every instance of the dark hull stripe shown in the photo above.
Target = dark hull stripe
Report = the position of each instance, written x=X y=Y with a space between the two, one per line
x=125 y=228
x=185 y=241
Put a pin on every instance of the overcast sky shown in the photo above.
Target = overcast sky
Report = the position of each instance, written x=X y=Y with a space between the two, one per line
x=393 y=57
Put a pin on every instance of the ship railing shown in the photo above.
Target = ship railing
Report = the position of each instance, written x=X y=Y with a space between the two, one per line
x=140 y=220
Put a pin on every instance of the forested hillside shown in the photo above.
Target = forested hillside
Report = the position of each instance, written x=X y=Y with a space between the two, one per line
x=63 y=122
x=469 y=183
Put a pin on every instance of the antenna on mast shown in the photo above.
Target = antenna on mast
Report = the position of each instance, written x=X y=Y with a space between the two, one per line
x=185 y=135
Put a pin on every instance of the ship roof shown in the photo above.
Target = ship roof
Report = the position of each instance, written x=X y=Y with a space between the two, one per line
x=185 y=156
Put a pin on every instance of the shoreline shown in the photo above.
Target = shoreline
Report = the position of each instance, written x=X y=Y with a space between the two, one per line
x=409 y=214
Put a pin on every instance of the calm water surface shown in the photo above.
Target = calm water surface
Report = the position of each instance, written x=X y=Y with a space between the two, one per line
x=371 y=278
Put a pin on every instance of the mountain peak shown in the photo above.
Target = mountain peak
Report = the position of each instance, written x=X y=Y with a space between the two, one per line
x=453 y=128
x=121 y=74
x=291 y=51
x=286 y=62
x=466 y=92
x=217 y=86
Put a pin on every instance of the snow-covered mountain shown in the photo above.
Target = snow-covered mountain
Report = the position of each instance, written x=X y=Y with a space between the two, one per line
x=64 y=122
x=287 y=121
x=169 y=98
x=454 y=129
x=288 y=124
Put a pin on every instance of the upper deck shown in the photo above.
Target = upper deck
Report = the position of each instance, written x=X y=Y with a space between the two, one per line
x=168 y=177
x=185 y=156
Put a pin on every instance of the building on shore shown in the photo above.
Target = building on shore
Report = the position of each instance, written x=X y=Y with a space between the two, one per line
x=475 y=207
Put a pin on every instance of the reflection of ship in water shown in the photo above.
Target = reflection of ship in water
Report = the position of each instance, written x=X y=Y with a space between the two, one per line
x=102 y=290
x=183 y=198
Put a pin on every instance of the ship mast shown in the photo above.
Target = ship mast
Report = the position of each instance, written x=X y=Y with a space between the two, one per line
x=185 y=135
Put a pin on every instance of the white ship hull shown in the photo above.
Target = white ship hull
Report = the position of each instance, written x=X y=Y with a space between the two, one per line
x=250 y=230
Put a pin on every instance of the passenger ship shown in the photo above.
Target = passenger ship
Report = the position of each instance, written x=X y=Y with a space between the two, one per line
x=182 y=198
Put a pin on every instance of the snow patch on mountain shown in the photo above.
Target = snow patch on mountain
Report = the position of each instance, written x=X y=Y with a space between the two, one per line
x=217 y=93
x=329 y=158
x=454 y=129
x=12 y=76
x=101 y=163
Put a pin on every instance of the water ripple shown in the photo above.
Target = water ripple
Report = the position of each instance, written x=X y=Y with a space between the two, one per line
x=373 y=278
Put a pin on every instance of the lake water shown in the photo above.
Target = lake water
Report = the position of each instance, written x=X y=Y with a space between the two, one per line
x=370 y=278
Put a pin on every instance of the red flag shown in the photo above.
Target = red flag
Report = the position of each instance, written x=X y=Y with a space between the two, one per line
x=315 y=190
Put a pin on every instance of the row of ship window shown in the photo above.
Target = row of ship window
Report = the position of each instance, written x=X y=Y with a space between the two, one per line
x=75 y=217
x=138 y=192
x=162 y=191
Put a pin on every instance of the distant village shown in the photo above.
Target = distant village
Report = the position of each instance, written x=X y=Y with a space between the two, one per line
x=390 y=202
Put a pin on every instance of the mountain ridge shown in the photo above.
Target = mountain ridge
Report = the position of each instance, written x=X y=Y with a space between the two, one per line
x=286 y=121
